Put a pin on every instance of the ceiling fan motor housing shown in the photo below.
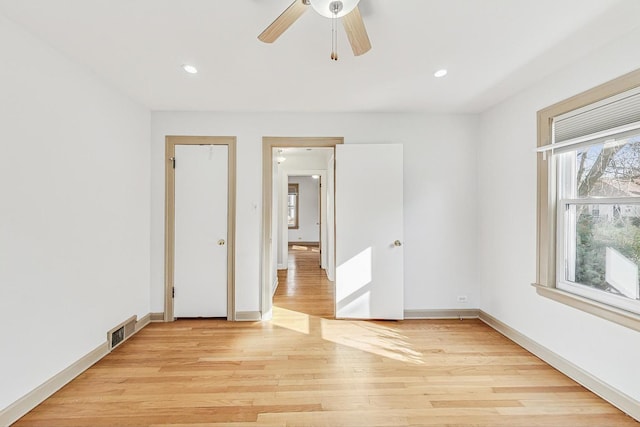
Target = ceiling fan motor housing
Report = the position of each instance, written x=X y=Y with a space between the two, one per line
x=335 y=7
x=328 y=8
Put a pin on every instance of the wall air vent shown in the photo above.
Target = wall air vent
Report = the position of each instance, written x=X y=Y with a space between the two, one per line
x=122 y=332
x=117 y=337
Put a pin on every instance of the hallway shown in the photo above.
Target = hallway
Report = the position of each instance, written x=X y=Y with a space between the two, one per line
x=304 y=287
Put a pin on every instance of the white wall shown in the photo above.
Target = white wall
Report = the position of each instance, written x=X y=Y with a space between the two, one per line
x=507 y=226
x=308 y=210
x=74 y=214
x=440 y=193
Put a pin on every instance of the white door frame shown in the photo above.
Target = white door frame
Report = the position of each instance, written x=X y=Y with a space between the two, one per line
x=169 y=224
x=322 y=173
x=268 y=144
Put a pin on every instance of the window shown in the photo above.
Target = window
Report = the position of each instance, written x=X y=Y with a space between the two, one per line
x=598 y=220
x=292 y=206
x=589 y=201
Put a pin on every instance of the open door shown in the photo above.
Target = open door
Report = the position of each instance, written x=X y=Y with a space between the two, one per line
x=369 y=231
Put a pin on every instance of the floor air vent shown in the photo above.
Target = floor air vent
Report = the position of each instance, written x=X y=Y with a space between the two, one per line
x=120 y=333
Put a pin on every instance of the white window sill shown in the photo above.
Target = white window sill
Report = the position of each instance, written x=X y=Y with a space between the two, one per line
x=616 y=315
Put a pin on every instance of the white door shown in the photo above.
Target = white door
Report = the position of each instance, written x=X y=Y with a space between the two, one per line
x=369 y=231
x=200 y=266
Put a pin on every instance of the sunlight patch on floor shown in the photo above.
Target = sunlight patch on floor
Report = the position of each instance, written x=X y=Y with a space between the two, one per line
x=361 y=335
x=315 y=249
x=372 y=338
x=290 y=319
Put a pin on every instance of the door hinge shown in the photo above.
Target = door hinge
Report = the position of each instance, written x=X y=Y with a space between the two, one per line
x=173 y=162
x=173 y=292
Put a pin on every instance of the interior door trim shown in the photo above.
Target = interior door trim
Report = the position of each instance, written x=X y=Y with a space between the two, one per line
x=268 y=144
x=169 y=224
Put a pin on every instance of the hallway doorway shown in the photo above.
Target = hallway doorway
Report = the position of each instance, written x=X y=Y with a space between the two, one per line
x=275 y=253
x=366 y=201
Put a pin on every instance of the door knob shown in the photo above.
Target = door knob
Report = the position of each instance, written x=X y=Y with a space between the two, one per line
x=397 y=243
x=221 y=242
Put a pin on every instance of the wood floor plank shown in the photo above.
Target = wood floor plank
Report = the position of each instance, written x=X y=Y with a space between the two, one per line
x=304 y=368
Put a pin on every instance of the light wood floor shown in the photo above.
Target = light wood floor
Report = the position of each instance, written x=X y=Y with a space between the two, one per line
x=306 y=369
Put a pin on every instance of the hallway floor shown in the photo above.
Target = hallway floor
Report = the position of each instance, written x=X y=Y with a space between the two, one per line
x=304 y=286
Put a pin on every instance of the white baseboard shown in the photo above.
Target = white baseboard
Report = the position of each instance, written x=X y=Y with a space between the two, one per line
x=142 y=322
x=468 y=313
x=156 y=317
x=248 y=316
x=617 y=398
x=26 y=403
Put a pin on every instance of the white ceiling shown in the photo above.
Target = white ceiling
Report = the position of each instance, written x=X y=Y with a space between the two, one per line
x=492 y=48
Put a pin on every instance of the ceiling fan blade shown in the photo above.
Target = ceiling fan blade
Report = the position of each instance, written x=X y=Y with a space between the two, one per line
x=284 y=21
x=357 y=33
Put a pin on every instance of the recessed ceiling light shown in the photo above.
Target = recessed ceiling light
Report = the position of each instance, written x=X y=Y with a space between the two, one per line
x=189 y=68
x=440 y=73
x=315 y=176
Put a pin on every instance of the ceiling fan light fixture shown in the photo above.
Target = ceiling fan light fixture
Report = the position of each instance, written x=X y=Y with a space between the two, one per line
x=326 y=7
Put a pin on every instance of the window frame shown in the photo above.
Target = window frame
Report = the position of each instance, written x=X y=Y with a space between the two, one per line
x=563 y=242
x=296 y=193
x=547 y=205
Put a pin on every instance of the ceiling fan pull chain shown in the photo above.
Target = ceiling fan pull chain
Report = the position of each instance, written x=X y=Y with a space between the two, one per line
x=332 y=52
x=335 y=34
x=335 y=7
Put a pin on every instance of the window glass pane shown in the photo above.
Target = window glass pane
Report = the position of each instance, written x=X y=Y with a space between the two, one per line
x=603 y=247
x=292 y=216
x=609 y=169
x=292 y=206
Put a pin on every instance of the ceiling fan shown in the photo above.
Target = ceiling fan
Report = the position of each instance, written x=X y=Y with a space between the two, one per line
x=334 y=9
